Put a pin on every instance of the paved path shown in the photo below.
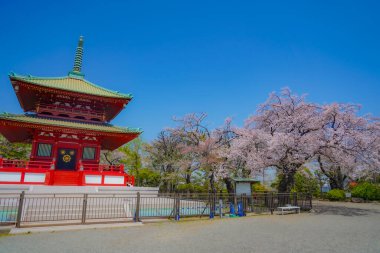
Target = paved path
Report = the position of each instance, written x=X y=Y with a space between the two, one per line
x=342 y=227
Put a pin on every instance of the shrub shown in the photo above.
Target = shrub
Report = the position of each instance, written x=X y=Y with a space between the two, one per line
x=192 y=188
x=305 y=181
x=146 y=177
x=336 y=195
x=366 y=191
x=185 y=188
x=352 y=185
x=257 y=187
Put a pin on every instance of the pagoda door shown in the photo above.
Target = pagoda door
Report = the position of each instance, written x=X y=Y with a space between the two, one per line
x=66 y=159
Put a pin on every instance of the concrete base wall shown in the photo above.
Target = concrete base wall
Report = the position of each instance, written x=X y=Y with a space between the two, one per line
x=38 y=189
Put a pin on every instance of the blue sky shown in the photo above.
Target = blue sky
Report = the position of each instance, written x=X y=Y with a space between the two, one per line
x=218 y=57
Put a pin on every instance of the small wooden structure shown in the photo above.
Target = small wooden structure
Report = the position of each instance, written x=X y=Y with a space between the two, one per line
x=244 y=185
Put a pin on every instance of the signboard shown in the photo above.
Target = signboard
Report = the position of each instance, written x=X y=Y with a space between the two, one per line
x=243 y=188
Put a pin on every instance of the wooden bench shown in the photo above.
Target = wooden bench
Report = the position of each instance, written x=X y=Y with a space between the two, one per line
x=289 y=208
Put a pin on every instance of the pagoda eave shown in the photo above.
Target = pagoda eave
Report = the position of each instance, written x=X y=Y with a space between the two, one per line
x=16 y=131
x=30 y=95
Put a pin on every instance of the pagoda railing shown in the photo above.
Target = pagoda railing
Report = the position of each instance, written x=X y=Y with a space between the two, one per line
x=48 y=165
x=73 y=111
x=103 y=167
x=22 y=164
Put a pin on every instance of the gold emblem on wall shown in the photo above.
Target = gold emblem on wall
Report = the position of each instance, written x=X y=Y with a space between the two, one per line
x=72 y=152
x=63 y=152
x=66 y=158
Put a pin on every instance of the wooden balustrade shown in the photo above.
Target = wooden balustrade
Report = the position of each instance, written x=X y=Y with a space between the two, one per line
x=71 y=109
x=42 y=172
x=22 y=164
x=103 y=167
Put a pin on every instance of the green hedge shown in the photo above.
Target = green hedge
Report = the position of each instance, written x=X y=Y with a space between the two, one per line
x=258 y=187
x=336 y=195
x=193 y=188
x=366 y=191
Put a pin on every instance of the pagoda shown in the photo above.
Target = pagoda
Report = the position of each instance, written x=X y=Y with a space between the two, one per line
x=67 y=122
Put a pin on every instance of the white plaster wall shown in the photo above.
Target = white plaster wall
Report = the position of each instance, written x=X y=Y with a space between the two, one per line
x=34 y=177
x=93 y=179
x=113 y=180
x=10 y=176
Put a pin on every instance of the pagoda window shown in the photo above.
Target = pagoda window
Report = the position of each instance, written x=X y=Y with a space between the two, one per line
x=44 y=150
x=89 y=153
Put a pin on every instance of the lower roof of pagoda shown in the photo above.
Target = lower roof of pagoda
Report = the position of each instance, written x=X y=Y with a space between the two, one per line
x=20 y=128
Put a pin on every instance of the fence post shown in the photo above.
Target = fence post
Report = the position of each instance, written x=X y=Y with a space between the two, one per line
x=137 y=212
x=84 y=208
x=19 y=211
x=311 y=200
x=212 y=205
x=244 y=203
x=220 y=207
x=271 y=202
x=177 y=206
x=235 y=203
x=295 y=200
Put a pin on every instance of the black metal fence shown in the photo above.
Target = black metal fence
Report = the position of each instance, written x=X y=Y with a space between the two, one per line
x=39 y=209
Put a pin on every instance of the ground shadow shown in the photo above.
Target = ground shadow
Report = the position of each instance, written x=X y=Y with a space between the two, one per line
x=343 y=210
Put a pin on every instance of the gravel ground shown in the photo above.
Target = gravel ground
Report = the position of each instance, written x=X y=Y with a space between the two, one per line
x=331 y=227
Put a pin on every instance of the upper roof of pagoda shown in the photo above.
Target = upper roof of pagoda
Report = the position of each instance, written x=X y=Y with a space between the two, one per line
x=74 y=82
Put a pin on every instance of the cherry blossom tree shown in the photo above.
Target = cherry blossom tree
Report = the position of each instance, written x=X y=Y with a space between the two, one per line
x=198 y=146
x=228 y=166
x=204 y=150
x=111 y=157
x=192 y=132
x=287 y=132
x=348 y=144
x=164 y=155
x=281 y=134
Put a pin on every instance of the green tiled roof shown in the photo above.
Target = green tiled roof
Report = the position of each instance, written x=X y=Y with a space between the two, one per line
x=32 y=119
x=74 y=82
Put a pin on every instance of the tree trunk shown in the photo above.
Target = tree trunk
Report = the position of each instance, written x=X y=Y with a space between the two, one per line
x=188 y=175
x=334 y=184
x=188 y=179
x=287 y=180
x=336 y=178
x=212 y=183
x=229 y=185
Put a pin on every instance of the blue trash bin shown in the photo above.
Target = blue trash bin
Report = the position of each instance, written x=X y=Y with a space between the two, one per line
x=240 y=211
x=232 y=208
